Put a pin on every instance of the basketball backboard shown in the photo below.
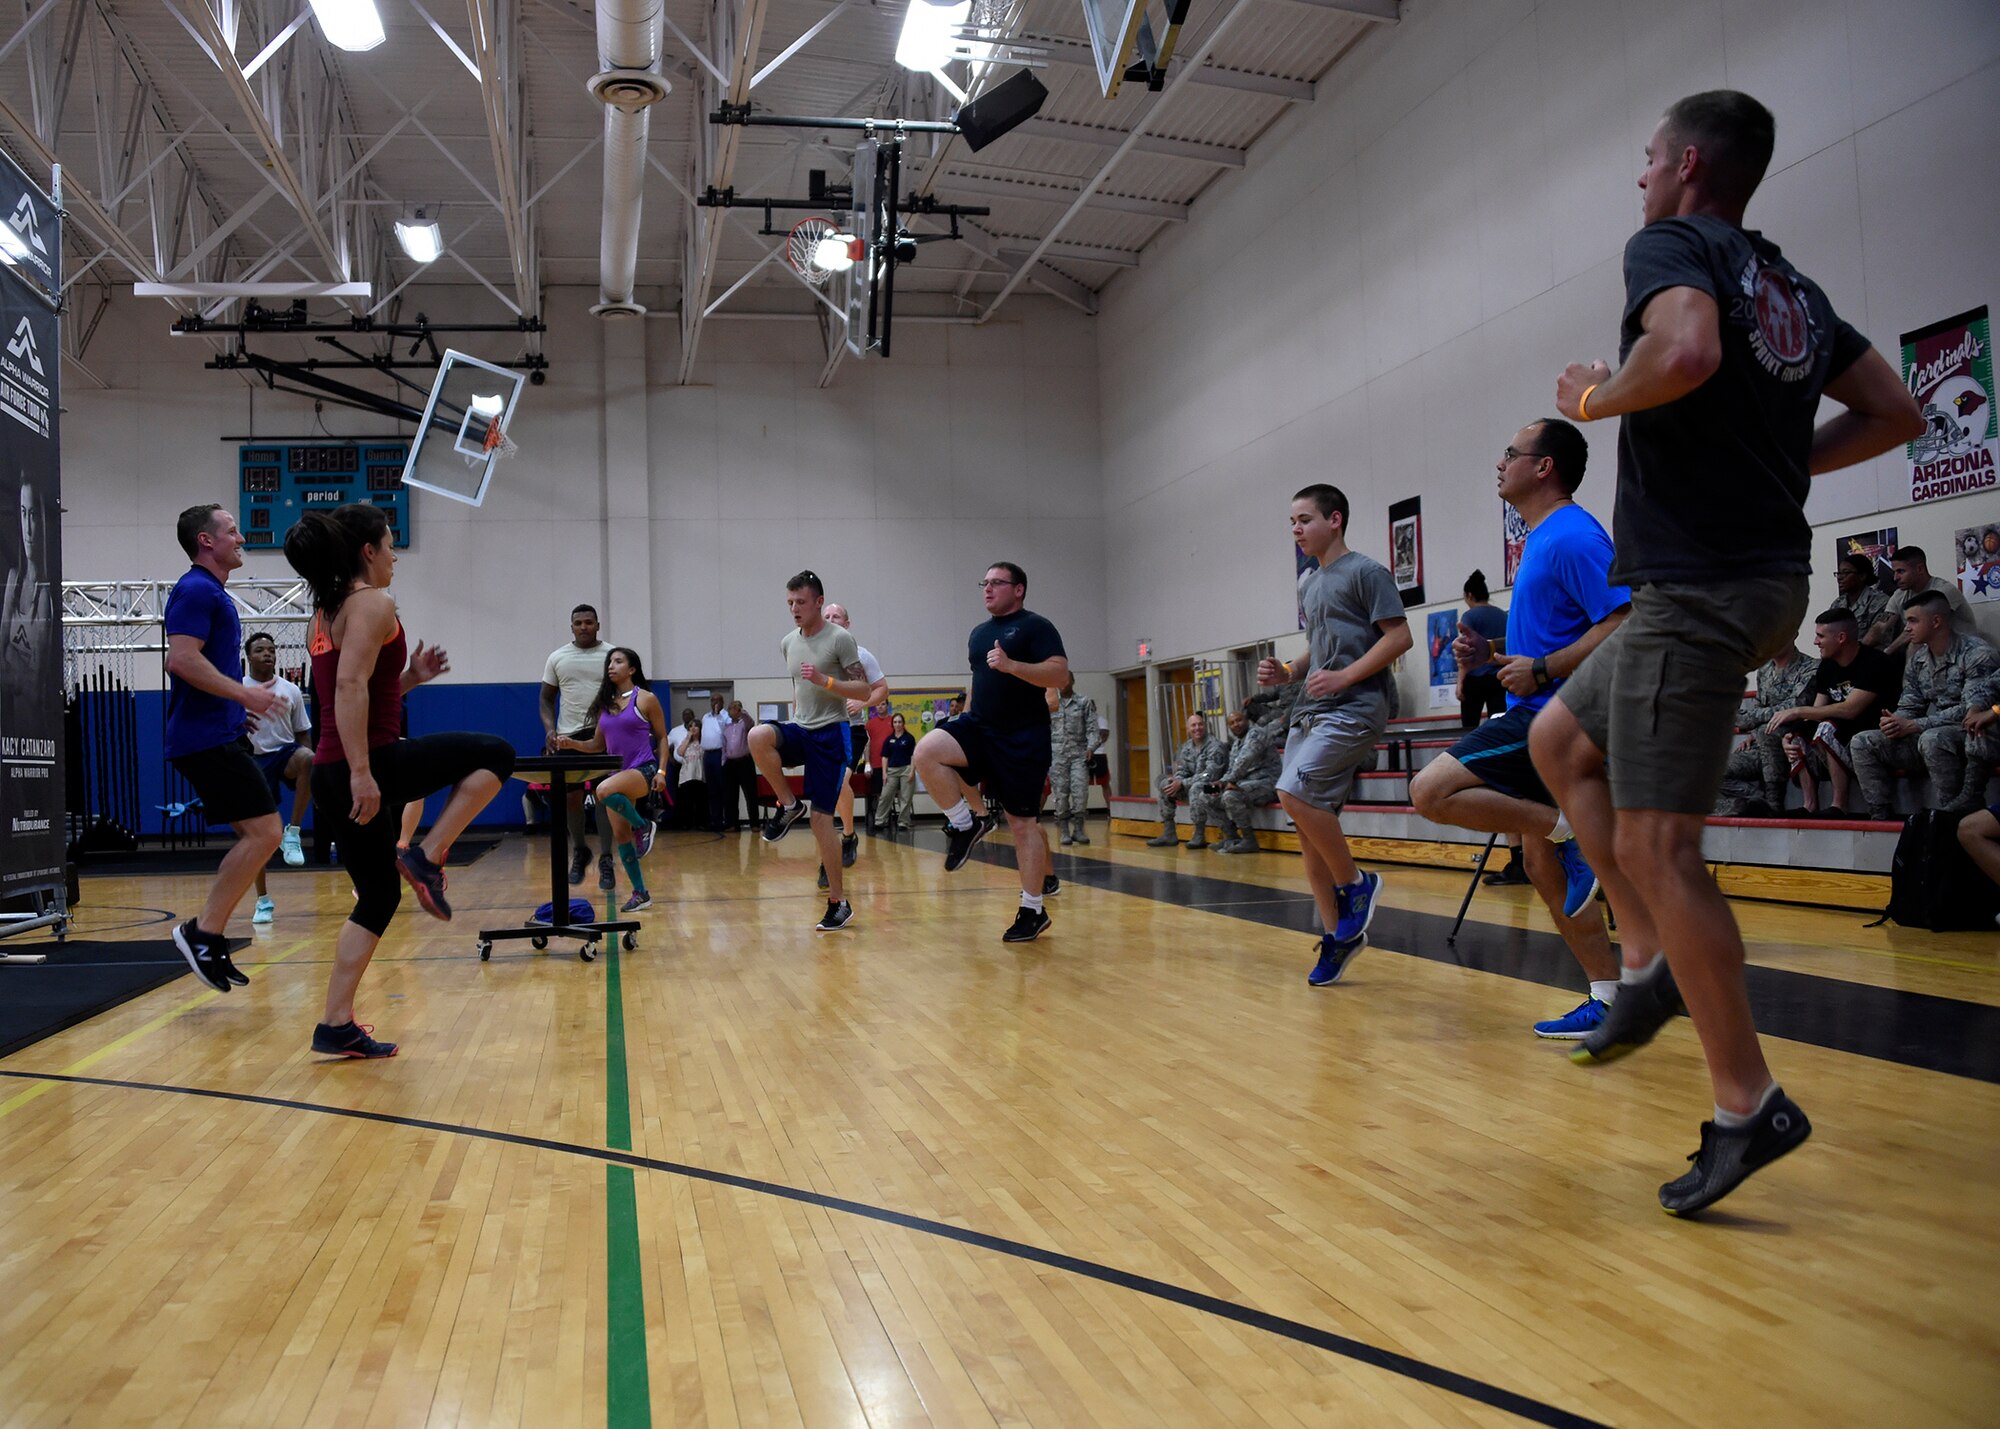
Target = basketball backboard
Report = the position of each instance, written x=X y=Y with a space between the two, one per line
x=464 y=428
x=1133 y=39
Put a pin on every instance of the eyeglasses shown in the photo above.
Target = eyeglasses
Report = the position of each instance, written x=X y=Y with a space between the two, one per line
x=1511 y=455
x=995 y=585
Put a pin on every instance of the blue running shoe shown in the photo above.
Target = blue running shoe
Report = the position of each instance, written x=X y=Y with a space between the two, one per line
x=1575 y=1025
x=1334 y=956
x=1357 y=910
x=1580 y=884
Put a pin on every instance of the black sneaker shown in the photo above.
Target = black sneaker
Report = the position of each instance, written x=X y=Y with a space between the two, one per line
x=1640 y=1010
x=1051 y=886
x=607 y=879
x=1513 y=875
x=426 y=879
x=959 y=843
x=229 y=968
x=850 y=846
x=1728 y=1155
x=579 y=864
x=838 y=916
x=1029 y=924
x=822 y=876
x=349 y=1041
x=200 y=950
x=780 y=823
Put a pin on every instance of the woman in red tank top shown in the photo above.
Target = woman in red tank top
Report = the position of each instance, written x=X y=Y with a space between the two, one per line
x=364 y=773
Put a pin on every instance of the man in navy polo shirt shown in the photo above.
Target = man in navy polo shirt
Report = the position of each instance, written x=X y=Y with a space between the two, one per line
x=1003 y=741
x=206 y=702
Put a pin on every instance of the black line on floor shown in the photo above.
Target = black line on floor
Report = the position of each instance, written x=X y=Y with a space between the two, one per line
x=1405 y=1366
x=1914 y=1029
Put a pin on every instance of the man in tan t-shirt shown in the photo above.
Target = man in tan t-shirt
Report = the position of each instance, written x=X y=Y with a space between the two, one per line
x=570 y=682
x=825 y=666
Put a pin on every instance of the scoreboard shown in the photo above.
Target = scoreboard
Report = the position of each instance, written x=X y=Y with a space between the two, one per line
x=279 y=482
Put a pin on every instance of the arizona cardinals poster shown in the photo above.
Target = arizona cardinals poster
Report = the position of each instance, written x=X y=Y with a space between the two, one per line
x=1948 y=367
x=31 y=702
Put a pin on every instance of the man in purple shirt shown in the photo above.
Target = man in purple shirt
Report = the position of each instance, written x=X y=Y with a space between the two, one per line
x=739 y=771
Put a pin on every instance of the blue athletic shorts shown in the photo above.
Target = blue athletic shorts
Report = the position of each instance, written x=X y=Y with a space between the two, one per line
x=823 y=752
x=1497 y=754
x=273 y=765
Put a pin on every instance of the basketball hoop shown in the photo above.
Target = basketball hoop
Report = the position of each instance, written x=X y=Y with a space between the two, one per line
x=817 y=250
x=496 y=445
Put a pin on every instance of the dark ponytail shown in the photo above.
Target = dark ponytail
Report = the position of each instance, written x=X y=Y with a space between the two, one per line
x=1475 y=586
x=324 y=547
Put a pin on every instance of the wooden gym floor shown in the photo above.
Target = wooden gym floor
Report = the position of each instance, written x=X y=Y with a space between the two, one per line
x=1134 y=1173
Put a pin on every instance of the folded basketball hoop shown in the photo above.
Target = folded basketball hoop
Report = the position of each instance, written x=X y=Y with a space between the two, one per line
x=496 y=444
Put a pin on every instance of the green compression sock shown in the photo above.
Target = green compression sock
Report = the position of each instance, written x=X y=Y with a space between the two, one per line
x=628 y=855
x=624 y=808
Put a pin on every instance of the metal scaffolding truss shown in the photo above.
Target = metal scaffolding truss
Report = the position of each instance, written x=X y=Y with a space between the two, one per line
x=130 y=615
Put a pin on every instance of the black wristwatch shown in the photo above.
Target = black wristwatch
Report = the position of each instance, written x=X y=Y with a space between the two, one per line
x=1541 y=669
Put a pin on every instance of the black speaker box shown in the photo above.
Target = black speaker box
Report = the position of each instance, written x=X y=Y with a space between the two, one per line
x=998 y=111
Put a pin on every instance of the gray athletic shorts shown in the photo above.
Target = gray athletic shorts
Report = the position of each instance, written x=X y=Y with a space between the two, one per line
x=1660 y=696
x=1325 y=751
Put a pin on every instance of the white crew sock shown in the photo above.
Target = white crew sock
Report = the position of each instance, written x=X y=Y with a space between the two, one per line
x=1737 y=1120
x=959 y=815
x=1604 y=991
x=1562 y=832
x=1032 y=901
x=1632 y=974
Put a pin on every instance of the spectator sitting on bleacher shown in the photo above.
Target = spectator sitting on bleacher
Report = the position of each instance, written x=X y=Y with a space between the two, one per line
x=1760 y=767
x=1982 y=737
x=1859 y=596
x=1979 y=836
x=1197 y=764
x=1890 y=633
x=1249 y=780
x=1274 y=707
x=1848 y=689
x=1926 y=731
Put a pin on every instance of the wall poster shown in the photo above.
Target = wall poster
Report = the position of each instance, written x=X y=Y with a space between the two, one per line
x=1979 y=562
x=1948 y=367
x=1513 y=541
x=1406 y=549
x=1878 y=546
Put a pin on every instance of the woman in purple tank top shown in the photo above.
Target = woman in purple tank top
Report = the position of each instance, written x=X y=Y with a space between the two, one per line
x=632 y=726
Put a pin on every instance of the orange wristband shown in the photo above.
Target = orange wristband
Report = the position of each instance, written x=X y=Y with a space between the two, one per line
x=1583 y=402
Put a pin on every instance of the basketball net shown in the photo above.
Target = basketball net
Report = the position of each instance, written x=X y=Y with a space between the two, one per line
x=495 y=446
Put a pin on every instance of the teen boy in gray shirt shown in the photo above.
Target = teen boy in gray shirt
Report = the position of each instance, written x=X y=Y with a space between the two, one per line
x=1355 y=629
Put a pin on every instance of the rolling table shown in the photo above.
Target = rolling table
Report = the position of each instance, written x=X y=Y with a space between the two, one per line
x=559 y=768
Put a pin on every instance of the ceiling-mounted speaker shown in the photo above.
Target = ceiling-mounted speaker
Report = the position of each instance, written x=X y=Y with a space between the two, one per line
x=1000 y=110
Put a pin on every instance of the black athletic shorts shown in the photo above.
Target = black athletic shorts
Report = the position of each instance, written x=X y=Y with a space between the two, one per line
x=1497 y=753
x=228 y=781
x=1012 y=765
x=857 y=756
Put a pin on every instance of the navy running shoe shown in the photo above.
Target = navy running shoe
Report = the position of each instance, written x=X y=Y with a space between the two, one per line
x=959 y=843
x=781 y=821
x=349 y=1041
x=1334 y=956
x=1728 y=1155
x=838 y=915
x=426 y=879
x=1357 y=909
x=200 y=950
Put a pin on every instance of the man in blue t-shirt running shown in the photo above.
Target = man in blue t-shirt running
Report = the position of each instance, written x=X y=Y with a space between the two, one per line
x=1564 y=607
x=206 y=702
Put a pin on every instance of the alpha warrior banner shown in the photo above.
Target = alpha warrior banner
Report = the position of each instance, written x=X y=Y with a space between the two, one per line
x=31 y=703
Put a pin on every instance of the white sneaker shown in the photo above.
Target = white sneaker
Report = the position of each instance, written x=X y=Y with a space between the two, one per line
x=266 y=911
x=295 y=856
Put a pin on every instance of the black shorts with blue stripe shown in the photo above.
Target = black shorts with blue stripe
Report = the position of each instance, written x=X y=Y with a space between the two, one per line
x=1497 y=754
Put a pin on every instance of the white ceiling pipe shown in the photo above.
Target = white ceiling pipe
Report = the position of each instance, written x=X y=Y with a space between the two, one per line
x=629 y=36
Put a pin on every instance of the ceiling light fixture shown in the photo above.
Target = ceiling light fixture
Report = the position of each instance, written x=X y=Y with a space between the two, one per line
x=422 y=239
x=930 y=34
x=349 y=24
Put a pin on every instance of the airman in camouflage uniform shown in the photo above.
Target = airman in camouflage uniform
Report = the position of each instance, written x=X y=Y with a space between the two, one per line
x=1274 y=707
x=1982 y=740
x=1073 y=738
x=1249 y=779
x=1762 y=761
x=1927 y=730
x=1197 y=764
